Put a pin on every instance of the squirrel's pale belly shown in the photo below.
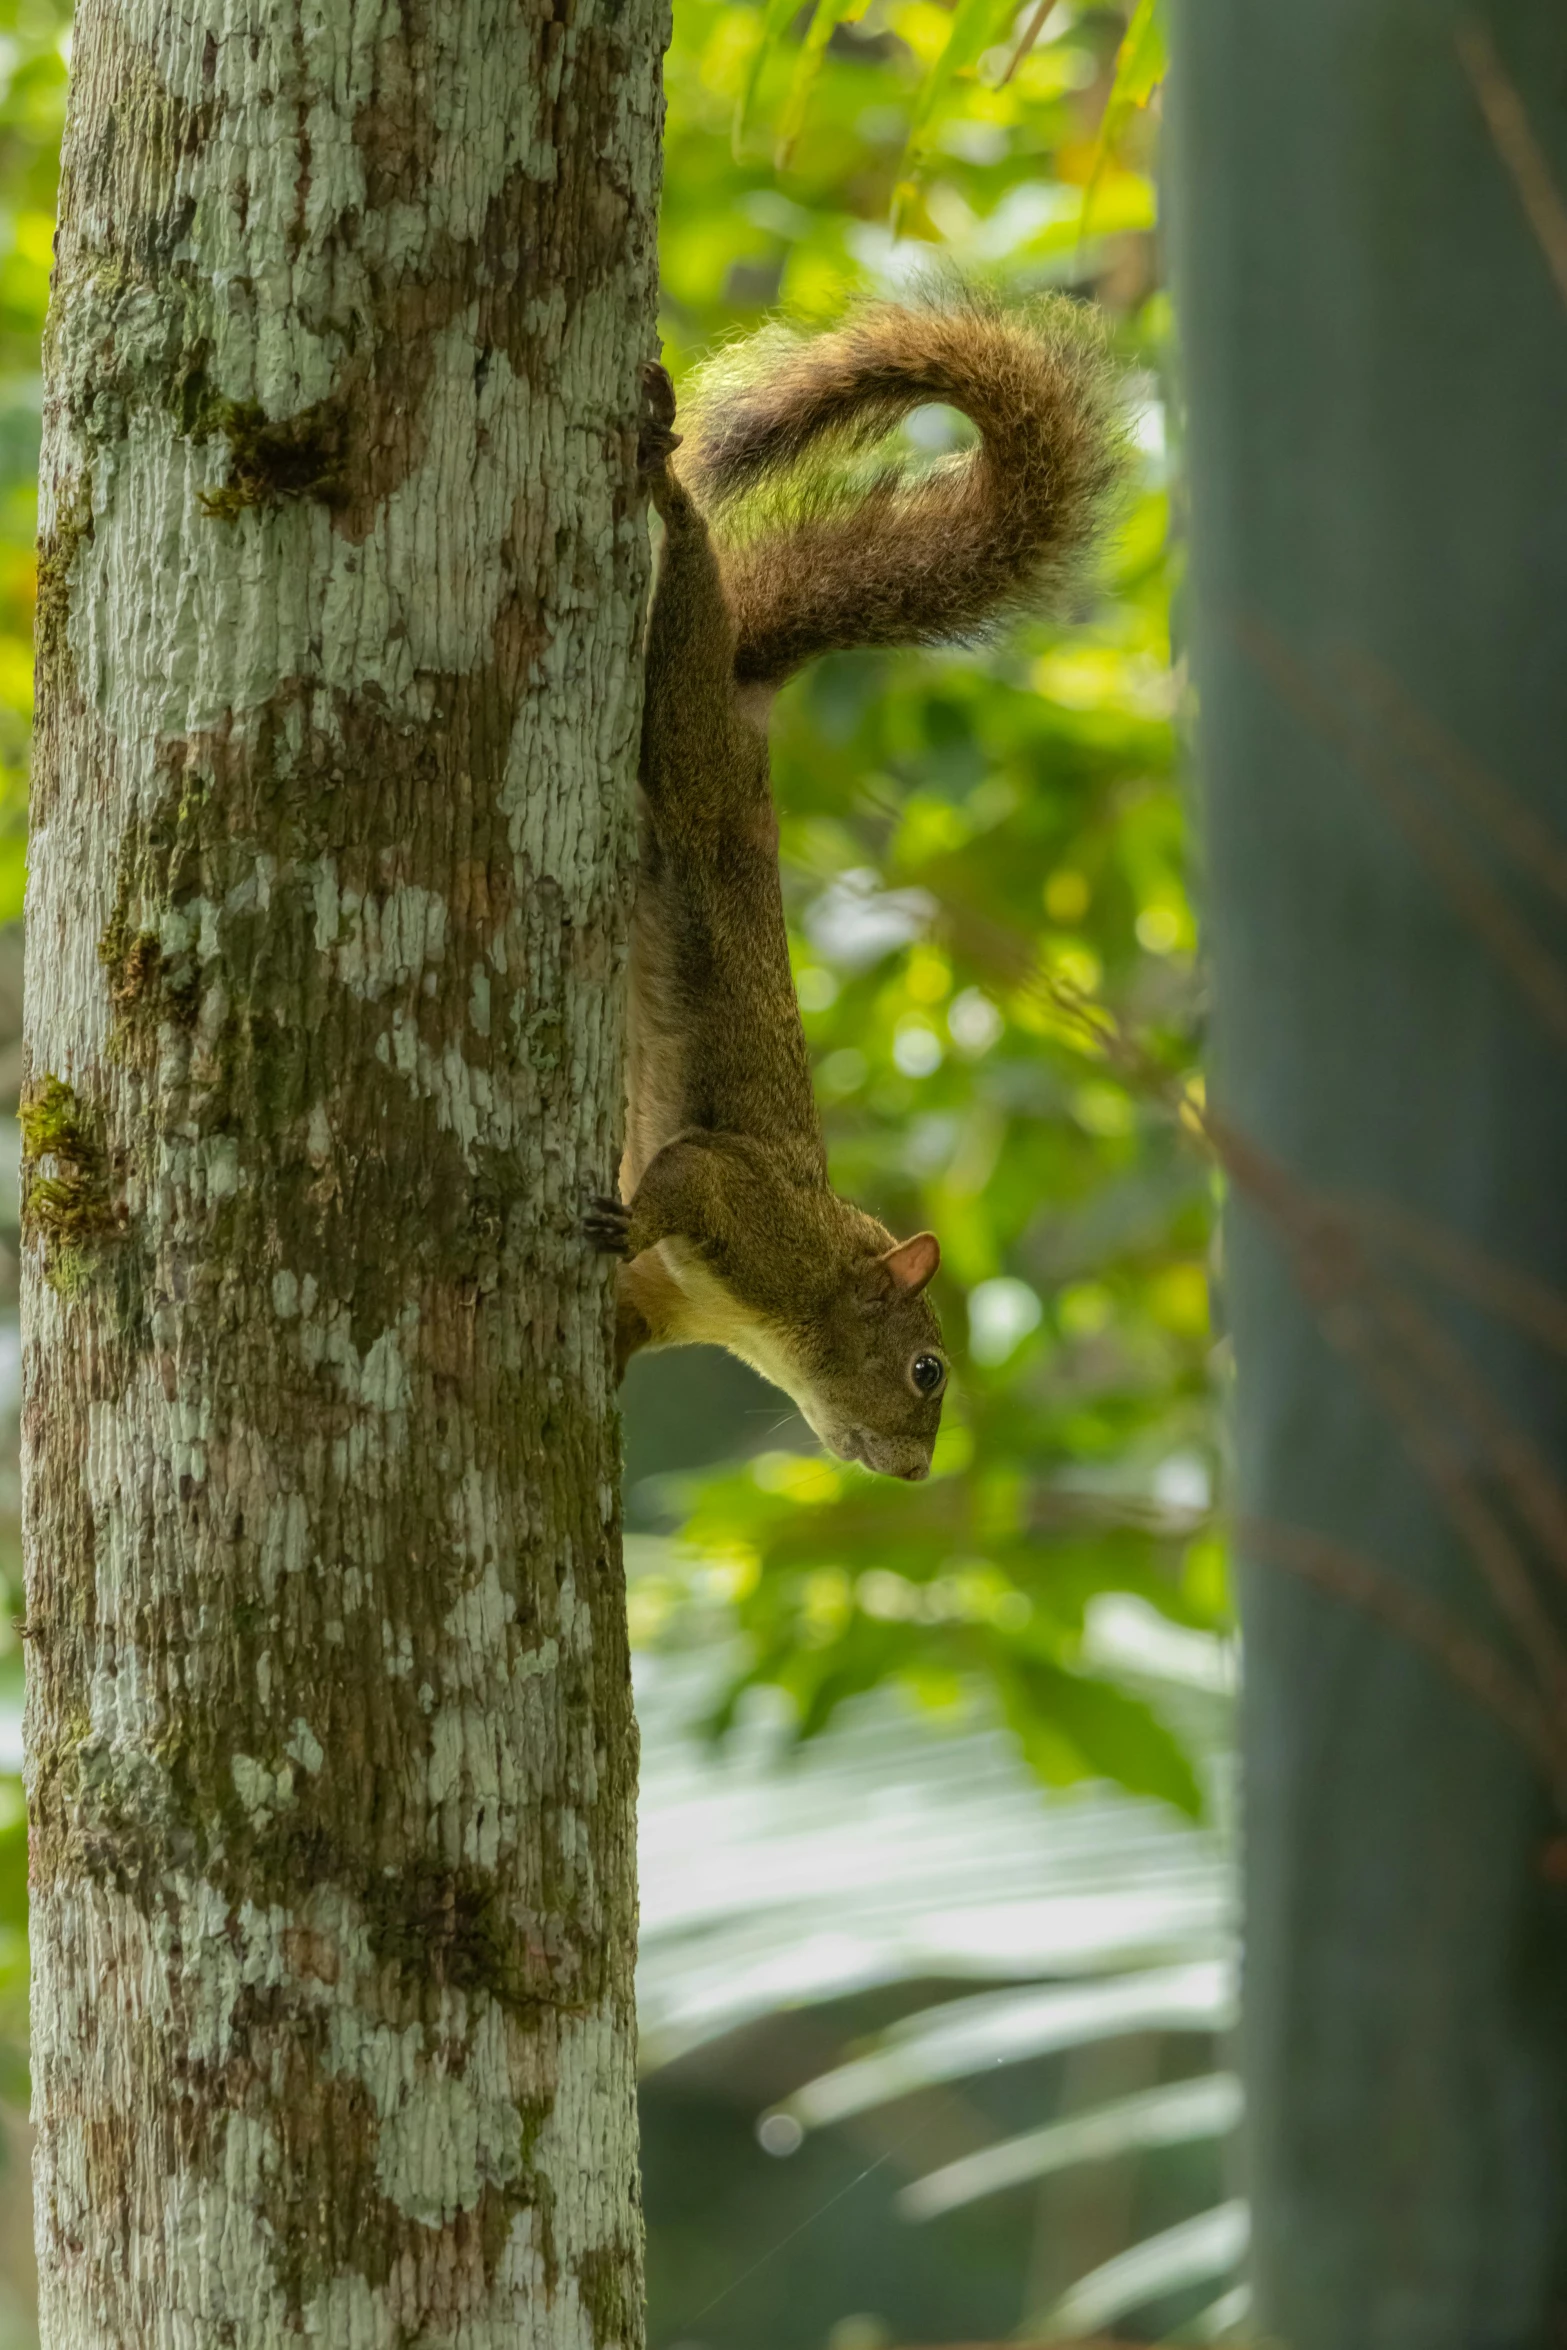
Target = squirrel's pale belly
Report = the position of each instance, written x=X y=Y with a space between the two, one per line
x=686 y=1304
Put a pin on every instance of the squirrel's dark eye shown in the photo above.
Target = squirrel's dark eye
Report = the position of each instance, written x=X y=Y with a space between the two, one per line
x=927 y=1373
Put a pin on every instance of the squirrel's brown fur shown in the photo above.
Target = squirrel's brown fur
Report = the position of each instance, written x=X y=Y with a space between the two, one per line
x=732 y=1231
x=815 y=560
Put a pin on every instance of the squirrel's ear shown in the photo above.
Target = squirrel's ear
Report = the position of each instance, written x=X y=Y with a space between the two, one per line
x=913 y=1263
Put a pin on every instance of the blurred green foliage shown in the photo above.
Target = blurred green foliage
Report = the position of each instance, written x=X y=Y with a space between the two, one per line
x=970 y=841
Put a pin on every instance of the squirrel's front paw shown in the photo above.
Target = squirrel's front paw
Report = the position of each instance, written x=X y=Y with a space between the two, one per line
x=655 y=437
x=606 y=1226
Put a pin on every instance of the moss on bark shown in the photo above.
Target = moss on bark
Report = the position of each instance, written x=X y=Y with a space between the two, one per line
x=67 y=1207
x=269 y=462
x=57 y=552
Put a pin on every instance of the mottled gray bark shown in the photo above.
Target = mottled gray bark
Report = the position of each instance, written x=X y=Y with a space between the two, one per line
x=1376 y=365
x=330 y=1748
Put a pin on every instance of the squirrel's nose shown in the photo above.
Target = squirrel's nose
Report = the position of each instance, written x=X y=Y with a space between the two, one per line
x=919 y=1470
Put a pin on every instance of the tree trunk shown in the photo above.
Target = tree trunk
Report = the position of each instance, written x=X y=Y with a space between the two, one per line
x=1376 y=363
x=330 y=1749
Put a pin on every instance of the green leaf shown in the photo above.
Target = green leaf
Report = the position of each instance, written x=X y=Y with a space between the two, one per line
x=963 y=2038
x=777 y=17
x=1210 y=2245
x=1061 y=1716
x=976 y=24
x=1142 y=60
x=813 y=49
x=1140 y=66
x=1177 y=2114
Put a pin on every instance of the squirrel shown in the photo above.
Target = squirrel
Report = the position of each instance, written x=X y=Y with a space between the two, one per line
x=777 y=549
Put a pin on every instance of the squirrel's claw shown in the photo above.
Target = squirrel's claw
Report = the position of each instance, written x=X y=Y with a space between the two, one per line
x=656 y=439
x=606 y=1227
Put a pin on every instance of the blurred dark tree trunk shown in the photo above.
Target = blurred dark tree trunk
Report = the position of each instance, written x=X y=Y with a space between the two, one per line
x=1375 y=359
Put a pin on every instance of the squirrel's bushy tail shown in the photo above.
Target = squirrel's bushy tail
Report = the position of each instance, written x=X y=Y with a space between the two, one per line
x=817 y=557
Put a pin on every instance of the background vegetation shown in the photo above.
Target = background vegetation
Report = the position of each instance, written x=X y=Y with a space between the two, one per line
x=974 y=846
x=972 y=843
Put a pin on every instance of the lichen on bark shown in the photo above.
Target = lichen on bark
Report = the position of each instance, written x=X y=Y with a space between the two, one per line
x=330 y=1751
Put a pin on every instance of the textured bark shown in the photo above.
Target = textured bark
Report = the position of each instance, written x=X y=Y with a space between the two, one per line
x=330 y=1750
x=1376 y=359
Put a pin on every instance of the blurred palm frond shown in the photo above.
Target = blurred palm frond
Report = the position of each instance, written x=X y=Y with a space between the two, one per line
x=901 y=1848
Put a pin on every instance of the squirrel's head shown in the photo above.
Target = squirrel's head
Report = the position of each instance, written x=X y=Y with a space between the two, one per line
x=878 y=1369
